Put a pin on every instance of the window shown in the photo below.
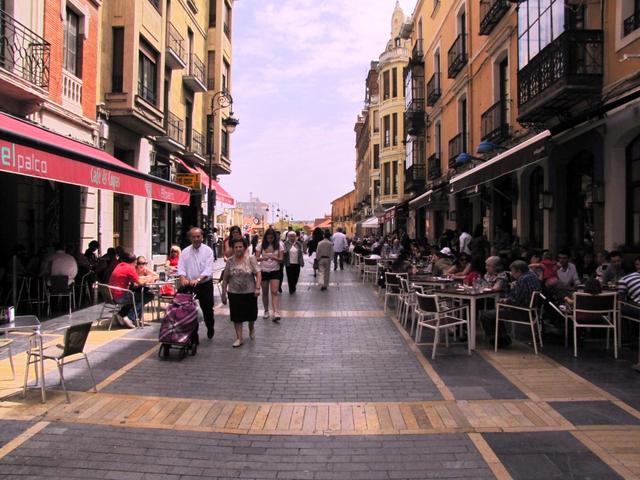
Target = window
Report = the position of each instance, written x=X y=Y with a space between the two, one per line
x=376 y=156
x=155 y=3
x=211 y=70
x=227 y=20
x=387 y=132
x=225 y=76
x=147 y=73
x=209 y=134
x=376 y=121
x=224 y=143
x=385 y=85
x=212 y=13
x=539 y=23
x=395 y=178
x=395 y=129
x=633 y=192
x=117 y=59
x=394 y=82
x=630 y=17
x=462 y=111
x=386 y=178
x=72 y=44
x=376 y=191
x=188 y=124
x=438 y=138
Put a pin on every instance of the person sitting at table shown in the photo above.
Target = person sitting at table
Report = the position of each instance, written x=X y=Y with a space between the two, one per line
x=615 y=270
x=495 y=277
x=520 y=295
x=475 y=271
x=171 y=265
x=567 y=272
x=602 y=262
x=587 y=266
x=125 y=276
x=591 y=286
x=461 y=268
x=629 y=291
x=91 y=253
x=144 y=272
x=396 y=247
x=442 y=261
x=546 y=268
x=402 y=264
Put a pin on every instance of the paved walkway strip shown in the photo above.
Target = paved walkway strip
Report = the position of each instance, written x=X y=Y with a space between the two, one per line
x=619 y=448
x=490 y=457
x=22 y=438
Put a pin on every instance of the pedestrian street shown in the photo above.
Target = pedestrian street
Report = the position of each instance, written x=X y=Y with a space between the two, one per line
x=336 y=390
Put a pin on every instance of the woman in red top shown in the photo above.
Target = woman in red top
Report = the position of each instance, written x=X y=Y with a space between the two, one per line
x=125 y=277
x=475 y=271
x=171 y=265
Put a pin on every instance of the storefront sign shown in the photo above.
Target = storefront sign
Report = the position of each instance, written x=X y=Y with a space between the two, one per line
x=191 y=180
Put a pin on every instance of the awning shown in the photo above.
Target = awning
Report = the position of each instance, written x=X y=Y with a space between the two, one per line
x=33 y=151
x=523 y=154
x=371 y=222
x=421 y=200
x=222 y=196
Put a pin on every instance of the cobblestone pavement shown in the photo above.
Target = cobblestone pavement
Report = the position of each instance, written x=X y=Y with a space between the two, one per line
x=337 y=390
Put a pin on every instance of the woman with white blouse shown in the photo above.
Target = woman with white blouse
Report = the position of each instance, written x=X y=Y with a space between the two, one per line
x=270 y=254
x=293 y=260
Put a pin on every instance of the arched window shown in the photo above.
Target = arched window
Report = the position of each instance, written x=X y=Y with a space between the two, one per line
x=633 y=192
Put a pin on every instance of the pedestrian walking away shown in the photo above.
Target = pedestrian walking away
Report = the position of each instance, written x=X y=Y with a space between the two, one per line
x=324 y=254
x=340 y=247
x=195 y=270
x=241 y=281
x=293 y=260
x=316 y=237
x=270 y=255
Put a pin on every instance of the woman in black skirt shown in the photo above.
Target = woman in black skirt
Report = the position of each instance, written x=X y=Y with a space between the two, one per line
x=242 y=279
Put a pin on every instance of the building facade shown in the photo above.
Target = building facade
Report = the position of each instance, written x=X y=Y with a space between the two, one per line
x=342 y=213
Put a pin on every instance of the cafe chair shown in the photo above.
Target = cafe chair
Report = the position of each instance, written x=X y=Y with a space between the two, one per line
x=517 y=315
x=112 y=308
x=58 y=286
x=72 y=350
x=593 y=311
x=433 y=316
x=370 y=270
x=392 y=289
x=6 y=343
x=86 y=287
x=407 y=302
x=630 y=311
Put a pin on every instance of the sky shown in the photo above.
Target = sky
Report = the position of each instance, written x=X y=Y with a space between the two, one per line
x=298 y=84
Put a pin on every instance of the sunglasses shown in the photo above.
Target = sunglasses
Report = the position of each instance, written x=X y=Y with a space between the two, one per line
x=142 y=263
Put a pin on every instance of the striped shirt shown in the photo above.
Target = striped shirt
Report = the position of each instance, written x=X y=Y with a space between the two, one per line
x=629 y=287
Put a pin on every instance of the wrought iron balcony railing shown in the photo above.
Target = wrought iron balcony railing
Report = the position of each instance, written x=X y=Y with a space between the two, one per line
x=174 y=127
x=493 y=122
x=417 y=54
x=196 y=68
x=414 y=117
x=433 y=89
x=631 y=23
x=570 y=66
x=197 y=143
x=457 y=145
x=491 y=12
x=415 y=178
x=175 y=41
x=23 y=52
x=457 y=55
x=434 y=171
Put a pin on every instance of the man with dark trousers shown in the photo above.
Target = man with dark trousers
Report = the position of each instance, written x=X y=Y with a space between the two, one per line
x=195 y=270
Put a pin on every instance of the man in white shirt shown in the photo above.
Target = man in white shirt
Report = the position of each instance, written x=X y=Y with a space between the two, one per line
x=465 y=241
x=195 y=270
x=340 y=246
x=324 y=253
x=60 y=263
x=567 y=273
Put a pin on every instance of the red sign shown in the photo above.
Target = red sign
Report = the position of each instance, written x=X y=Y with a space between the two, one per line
x=23 y=160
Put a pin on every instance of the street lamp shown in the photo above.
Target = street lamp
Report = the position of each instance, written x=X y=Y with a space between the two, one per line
x=219 y=101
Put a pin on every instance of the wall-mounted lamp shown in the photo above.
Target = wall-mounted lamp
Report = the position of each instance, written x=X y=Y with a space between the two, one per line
x=545 y=201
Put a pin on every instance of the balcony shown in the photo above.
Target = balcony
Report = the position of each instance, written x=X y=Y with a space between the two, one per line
x=24 y=66
x=71 y=92
x=173 y=141
x=457 y=55
x=434 y=171
x=136 y=111
x=195 y=148
x=175 y=58
x=457 y=145
x=433 y=89
x=493 y=122
x=417 y=54
x=195 y=77
x=631 y=23
x=491 y=12
x=221 y=166
x=564 y=73
x=414 y=117
x=415 y=178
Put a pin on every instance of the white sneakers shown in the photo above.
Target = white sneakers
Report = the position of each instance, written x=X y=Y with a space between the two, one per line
x=124 y=321
x=266 y=315
x=237 y=343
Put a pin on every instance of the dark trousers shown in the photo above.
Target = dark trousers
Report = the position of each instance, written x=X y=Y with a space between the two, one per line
x=488 y=321
x=204 y=294
x=339 y=255
x=293 y=273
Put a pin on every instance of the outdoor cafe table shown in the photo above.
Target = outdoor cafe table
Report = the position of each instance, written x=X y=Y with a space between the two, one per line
x=431 y=281
x=472 y=297
x=29 y=323
x=155 y=287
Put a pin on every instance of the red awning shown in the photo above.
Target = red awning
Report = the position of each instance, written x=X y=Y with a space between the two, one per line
x=222 y=196
x=27 y=149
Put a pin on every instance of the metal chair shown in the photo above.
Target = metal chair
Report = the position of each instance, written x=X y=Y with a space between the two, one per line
x=75 y=338
x=630 y=311
x=370 y=270
x=433 y=316
x=59 y=286
x=105 y=292
x=86 y=287
x=6 y=343
x=593 y=311
x=392 y=288
x=517 y=315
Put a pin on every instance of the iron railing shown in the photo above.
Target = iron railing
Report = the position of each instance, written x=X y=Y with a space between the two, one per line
x=575 y=57
x=457 y=55
x=196 y=68
x=415 y=176
x=434 y=171
x=175 y=41
x=493 y=122
x=491 y=12
x=197 y=143
x=147 y=92
x=417 y=54
x=23 y=52
x=174 y=127
x=433 y=89
x=631 y=23
x=457 y=145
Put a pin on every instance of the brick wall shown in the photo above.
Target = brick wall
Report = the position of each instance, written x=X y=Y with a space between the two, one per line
x=54 y=34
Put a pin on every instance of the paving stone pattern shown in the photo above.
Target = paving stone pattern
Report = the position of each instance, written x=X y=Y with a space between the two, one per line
x=594 y=413
x=9 y=429
x=87 y=452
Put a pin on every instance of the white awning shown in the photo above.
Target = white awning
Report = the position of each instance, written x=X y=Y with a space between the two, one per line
x=422 y=198
x=371 y=222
